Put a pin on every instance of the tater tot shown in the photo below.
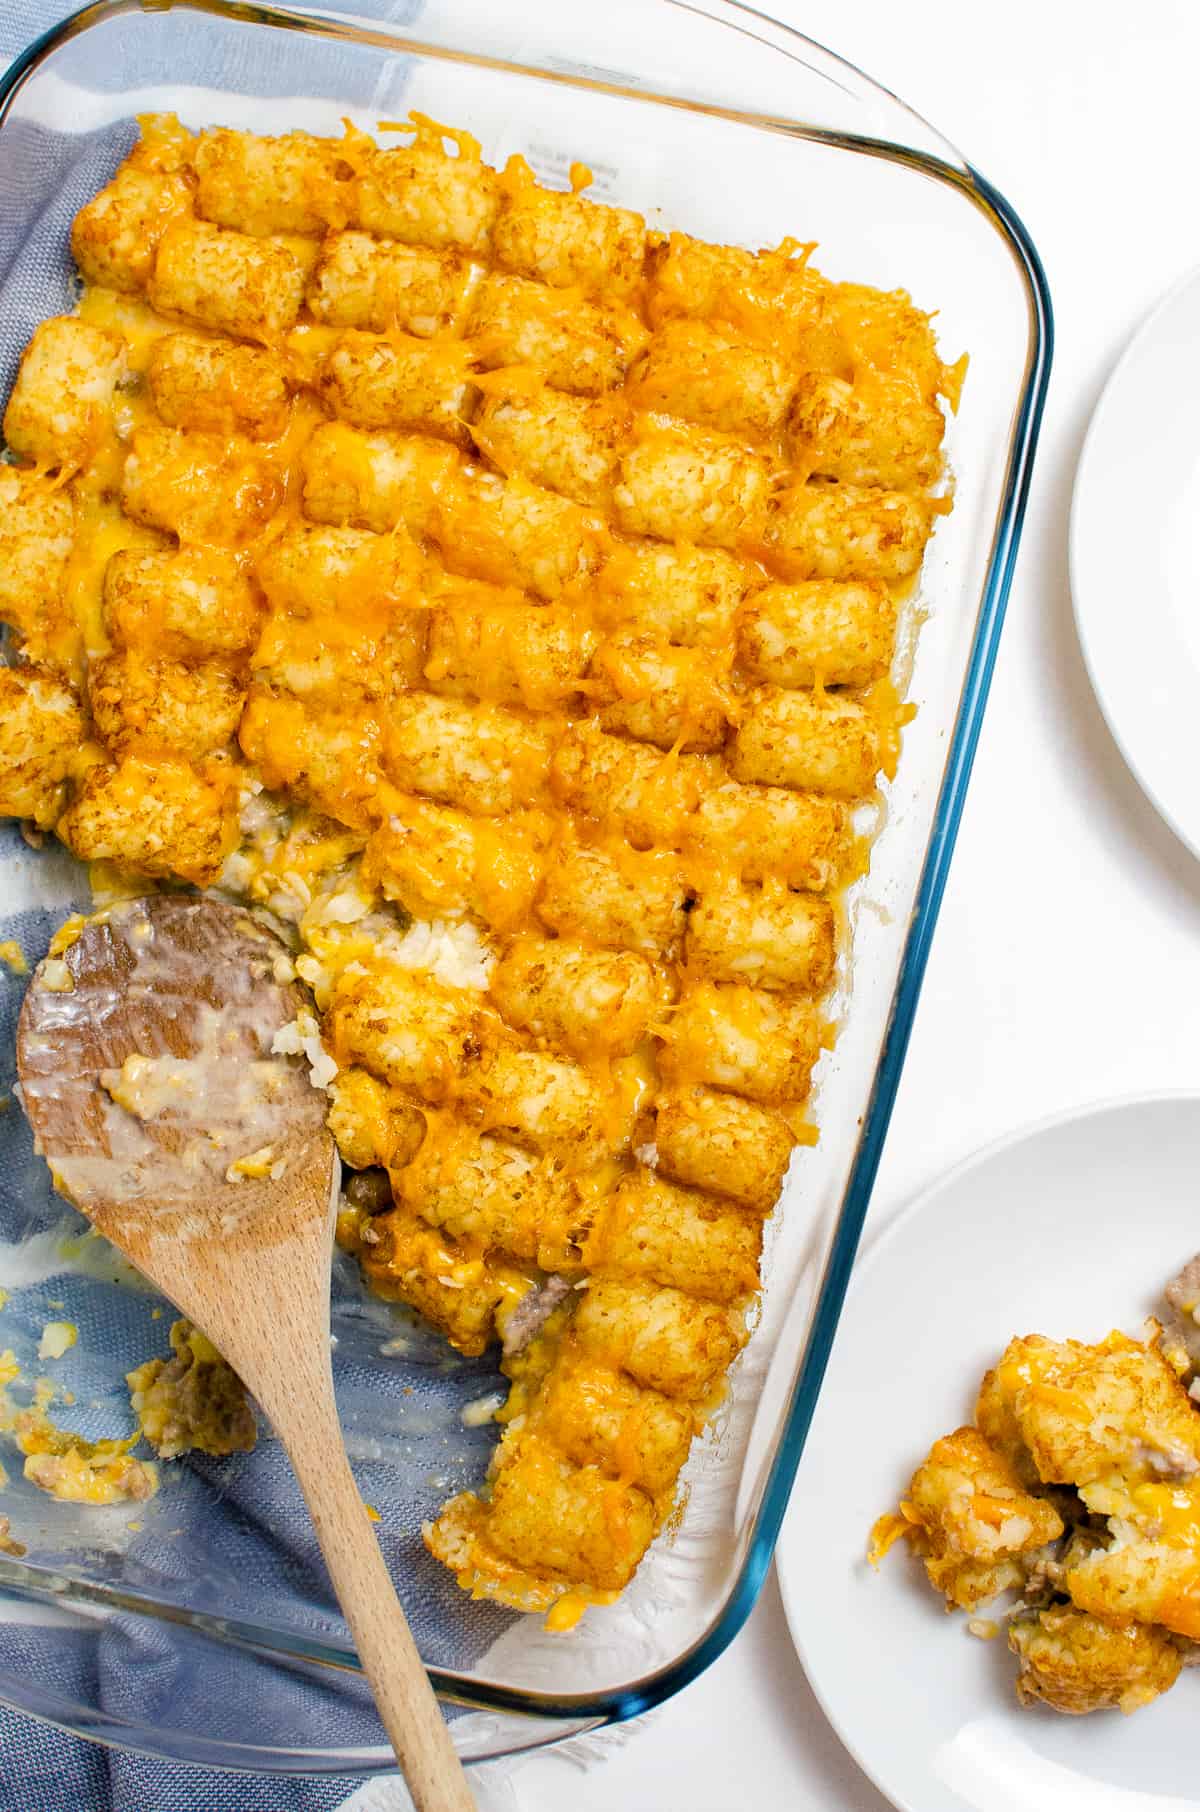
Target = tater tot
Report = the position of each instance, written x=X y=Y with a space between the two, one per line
x=404 y=1027
x=649 y=1228
x=514 y=653
x=764 y=936
x=374 y=481
x=327 y=657
x=218 y=388
x=577 y=346
x=199 y=486
x=493 y=1195
x=155 y=815
x=43 y=732
x=680 y=594
x=115 y=235
x=665 y=1339
x=400 y=382
x=692 y=371
x=883 y=329
x=329 y=755
x=404 y=1259
x=363 y=282
x=635 y=906
x=371 y=1122
x=250 y=288
x=735 y=1037
x=568 y=241
x=60 y=410
x=598 y=1417
x=420 y=194
x=769 y=298
x=556 y=1518
x=826 y=631
x=876 y=431
x=716 y=1141
x=845 y=531
x=439 y=863
x=819 y=742
x=660 y=694
x=1073 y=1662
x=152 y=703
x=769 y=832
x=339 y=572
x=180 y=602
x=37 y=529
x=511 y=532
x=569 y=444
x=537 y=1100
x=483 y=758
x=587 y=1002
x=1086 y=1441
x=268 y=185
x=685 y=484
x=165 y=146
x=690 y=278
x=1150 y=1581
x=648 y=797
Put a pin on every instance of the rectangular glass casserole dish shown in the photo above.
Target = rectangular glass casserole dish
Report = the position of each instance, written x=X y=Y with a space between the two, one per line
x=200 y=1626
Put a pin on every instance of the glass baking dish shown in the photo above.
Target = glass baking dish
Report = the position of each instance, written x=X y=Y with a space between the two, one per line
x=200 y=1626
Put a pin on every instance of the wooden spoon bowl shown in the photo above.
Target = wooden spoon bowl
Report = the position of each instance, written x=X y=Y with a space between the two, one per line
x=147 y=1068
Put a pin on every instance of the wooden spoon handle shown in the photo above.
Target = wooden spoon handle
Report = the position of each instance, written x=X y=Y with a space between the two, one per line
x=403 y=1694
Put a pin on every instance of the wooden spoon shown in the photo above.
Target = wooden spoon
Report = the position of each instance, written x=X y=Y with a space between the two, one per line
x=147 y=1073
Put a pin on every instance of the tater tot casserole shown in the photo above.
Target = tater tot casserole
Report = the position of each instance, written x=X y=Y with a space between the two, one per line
x=503 y=596
x=1076 y=1492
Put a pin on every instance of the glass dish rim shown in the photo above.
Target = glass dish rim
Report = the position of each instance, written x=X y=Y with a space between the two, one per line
x=584 y=1711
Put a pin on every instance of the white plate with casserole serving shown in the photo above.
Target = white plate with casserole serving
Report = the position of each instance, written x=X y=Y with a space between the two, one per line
x=1135 y=557
x=1068 y=1229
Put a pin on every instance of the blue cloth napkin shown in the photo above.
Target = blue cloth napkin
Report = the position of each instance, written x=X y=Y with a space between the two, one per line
x=252 y=1507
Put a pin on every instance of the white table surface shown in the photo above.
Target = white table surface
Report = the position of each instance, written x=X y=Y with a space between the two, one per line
x=1066 y=967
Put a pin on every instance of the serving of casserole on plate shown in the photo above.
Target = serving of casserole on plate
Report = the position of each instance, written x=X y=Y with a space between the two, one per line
x=518 y=597
x=1057 y=1522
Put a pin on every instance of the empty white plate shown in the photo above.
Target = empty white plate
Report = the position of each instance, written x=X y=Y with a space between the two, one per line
x=1069 y=1229
x=1135 y=557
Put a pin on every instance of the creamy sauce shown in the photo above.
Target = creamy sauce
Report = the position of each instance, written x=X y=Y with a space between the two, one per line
x=215 y=1110
x=481 y=1410
x=203 y=1088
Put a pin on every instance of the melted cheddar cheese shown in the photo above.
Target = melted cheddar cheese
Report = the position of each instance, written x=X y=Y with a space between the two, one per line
x=1079 y=1488
x=547 y=572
